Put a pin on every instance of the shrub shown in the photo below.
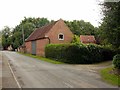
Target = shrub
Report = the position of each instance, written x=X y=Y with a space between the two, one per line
x=116 y=61
x=73 y=53
x=56 y=51
x=94 y=53
x=107 y=53
x=76 y=39
x=78 y=53
x=68 y=53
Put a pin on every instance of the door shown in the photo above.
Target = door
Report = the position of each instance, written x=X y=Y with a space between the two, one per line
x=34 y=47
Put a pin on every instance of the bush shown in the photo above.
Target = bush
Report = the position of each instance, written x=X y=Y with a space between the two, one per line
x=76 y=39
x=73 y=53
x=56 y=51
x=116 y=61
x=78 y=53
x=68 y=53
x=94 y=53
x=107 y=53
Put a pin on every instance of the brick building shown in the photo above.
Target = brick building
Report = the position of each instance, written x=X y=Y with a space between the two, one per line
x=86 y=39
x=55 y=33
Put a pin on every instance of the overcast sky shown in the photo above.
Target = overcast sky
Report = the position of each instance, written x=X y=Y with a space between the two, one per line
x=13 y=11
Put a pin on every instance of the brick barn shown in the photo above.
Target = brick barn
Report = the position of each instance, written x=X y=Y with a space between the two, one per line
x=86 y=39
x=55 y=33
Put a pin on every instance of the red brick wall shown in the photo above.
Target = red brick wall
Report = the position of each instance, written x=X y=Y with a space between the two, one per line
x=40 y=46
x=28 y=47
x=60 y=27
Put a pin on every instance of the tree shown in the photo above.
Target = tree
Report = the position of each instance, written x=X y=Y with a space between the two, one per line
x=26 y=26
x=81 y=27
x=6 y=36
x=110 y=27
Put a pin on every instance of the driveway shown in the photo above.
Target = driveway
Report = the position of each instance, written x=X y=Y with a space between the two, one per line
x=33 y=73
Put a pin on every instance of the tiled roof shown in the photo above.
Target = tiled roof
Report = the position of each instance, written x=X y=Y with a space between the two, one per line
x=87 y=39
x=40 y=32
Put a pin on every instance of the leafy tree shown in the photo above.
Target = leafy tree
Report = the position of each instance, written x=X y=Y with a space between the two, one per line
x=6 y=36
x=81 y=27
x=110 y=27
x=26 y=27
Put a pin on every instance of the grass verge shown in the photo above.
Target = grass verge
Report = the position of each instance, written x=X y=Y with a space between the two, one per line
x=42 y=58
x=110 y=77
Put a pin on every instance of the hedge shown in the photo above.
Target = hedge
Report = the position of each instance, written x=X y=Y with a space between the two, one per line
x=77 y=53
x=116 y=61
x=107 y=53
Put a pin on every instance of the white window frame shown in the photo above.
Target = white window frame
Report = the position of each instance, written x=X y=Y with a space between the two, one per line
x=59 y=35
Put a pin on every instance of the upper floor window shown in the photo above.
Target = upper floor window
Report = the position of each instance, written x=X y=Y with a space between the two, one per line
x=61 y=36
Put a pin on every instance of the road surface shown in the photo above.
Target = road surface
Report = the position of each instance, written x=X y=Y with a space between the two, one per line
x=33 y=73
x=8 y=80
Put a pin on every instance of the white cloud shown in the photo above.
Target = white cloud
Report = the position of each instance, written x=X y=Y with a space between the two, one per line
x=13 y=11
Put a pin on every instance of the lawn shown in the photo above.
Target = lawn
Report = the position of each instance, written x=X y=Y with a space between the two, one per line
x=42 y=58
x=108 y=76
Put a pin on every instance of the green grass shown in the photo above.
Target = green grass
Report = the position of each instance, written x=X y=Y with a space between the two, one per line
x=42 y=58
x=110 y=77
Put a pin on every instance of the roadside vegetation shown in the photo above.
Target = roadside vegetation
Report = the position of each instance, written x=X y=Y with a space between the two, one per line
x=42 y=58
x=108 y=75
x=78 y=53
x=112 y=74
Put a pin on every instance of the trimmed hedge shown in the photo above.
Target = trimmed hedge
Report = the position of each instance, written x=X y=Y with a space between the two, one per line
x=77 y=53
x=94 y=54
x=116 y=61
x=107 y=53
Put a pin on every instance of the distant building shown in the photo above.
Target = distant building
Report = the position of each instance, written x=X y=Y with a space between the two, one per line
x=55 y=33
x=87 y=39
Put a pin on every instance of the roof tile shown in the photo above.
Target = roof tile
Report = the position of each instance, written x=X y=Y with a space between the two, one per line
x=87 y=39
x=40 y=32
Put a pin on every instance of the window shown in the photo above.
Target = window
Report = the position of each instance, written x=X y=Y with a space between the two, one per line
x=61 y=36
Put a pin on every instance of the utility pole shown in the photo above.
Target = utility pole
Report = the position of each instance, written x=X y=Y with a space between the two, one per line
x=23 y=35
x=23 y=40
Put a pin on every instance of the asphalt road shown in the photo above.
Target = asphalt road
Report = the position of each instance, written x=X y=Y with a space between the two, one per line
x=33 y=73
x=7 y=79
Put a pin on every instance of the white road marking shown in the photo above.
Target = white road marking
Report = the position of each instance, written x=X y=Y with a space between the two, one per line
x=14 y=76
